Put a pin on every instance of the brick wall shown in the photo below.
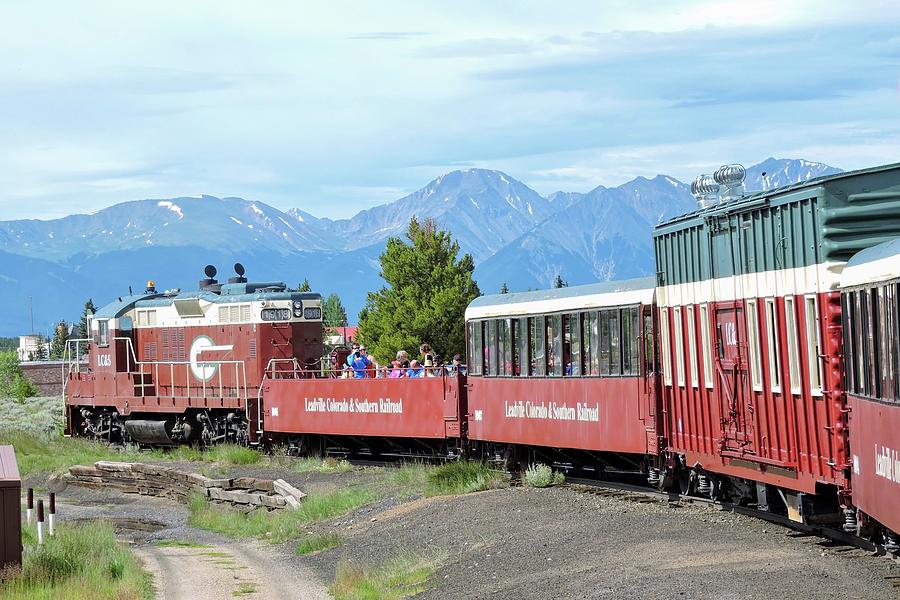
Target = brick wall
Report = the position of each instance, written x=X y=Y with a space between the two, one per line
x=46 y=375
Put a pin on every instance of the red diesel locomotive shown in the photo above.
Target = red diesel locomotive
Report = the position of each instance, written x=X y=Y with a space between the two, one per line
x=176 y=367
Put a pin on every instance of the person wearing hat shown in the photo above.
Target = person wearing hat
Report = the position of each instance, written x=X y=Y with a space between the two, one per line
x=360 y=363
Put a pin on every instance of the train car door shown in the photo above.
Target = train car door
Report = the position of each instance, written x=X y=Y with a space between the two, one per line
x=649 y=393
x=731 y=367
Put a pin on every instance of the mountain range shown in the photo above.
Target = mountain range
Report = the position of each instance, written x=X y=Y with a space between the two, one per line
x=515 y=235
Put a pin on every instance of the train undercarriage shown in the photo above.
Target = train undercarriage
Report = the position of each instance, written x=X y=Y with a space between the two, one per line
x=193 y=427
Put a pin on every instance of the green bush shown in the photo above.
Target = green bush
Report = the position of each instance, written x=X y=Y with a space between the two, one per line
x=462 y=477
x=540 y=476
x=12 y=383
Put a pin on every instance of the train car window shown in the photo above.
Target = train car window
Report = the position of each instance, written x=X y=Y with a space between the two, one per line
x=692 y=347
x=586 y=346
x=604 y=342
x=515 y=333
x=813 y=346
x=774 y=345
x=595 y=343
x=627 y=340
x=865 y=347
x=895 y=335
x=554 y=346
x=753 y=343
x=615 y=343
x=508 y=345
x=847 y=323
x=664 y=345
x=881 y=370
x=490 y=347
x=573 y=335
x=476 y=348
x=635 y=340
x=706 y=346
x=679 y=346
x=523 y=360
x=790 y=317
x=103 y=332
x=536 y=333
x=890 y=342
x=501 y=346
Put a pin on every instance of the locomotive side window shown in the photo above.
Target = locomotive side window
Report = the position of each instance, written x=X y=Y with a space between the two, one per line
x=753 y=341
x=692 y=347
x=679 y=347
x=790 y=316
x=813 y=345
x=774 y=346
x=103 y=332
x=664 y=345
x=707 y=346
x=536 y=333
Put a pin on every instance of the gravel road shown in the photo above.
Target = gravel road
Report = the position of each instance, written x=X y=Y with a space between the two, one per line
x=516 y=544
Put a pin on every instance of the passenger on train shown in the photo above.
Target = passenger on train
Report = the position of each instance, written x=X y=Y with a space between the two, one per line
x=415 y=369
x=396 y=369
x=402 y=355
x=353 y=350
x=456 y=367
x=426 y=352
x=360 y=363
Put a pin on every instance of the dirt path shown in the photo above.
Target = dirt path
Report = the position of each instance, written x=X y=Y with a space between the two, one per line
x=188 y=563
x=213 y=572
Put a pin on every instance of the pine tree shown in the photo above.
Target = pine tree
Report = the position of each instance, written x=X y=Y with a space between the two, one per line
x=559 y=283
x=41 y=352
x=304 y=287
x=504 y=289
x=334 y=314
x=426 y=295
x=89 y=310
x=58 y=345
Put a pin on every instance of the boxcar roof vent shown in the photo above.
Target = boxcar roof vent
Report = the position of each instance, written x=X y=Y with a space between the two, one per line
x=705 y=191
x=731 y=178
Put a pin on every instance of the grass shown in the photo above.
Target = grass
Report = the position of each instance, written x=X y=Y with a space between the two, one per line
x=277 y=526
x=319 y=465
x=178 y=544
x=540 y=476
x=462 y=477
x=44 y=453
x=80 y=561
x=318 y=543
x=401 y=577
x=232 y=454
x=244 y=588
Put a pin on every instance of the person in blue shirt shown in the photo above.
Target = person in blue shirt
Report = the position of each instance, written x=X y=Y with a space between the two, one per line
x=359 y=363
x=415 y=369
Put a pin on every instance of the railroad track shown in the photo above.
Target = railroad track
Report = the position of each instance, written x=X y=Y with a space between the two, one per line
x=643 y=494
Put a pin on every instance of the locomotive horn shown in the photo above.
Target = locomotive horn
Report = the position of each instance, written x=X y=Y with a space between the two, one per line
x=239 y=269
x=210 y=271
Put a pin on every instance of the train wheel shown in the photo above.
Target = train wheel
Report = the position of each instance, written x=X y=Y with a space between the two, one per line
x=686 y=482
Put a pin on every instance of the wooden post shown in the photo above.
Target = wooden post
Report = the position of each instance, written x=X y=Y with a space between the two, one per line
x=52 y=516
x=40 y=522
x=29 y=505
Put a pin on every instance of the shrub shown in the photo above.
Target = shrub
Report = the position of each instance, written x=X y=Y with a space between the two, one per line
x=540 y=476
x=403 y=576
x=461 y=477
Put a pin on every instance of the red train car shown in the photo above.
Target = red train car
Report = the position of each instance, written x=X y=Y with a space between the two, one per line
x=565 y=371
x=172 y=367
x=375 y=416
x=750 y=333
x=871 y=303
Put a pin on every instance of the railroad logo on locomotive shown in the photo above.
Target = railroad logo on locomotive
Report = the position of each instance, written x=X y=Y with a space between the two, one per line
x=204 y=371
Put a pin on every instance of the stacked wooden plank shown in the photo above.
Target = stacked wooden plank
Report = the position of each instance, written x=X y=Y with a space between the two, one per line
x=167 y=482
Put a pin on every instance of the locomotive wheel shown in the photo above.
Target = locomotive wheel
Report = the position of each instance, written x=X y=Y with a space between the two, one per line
x=685 y=482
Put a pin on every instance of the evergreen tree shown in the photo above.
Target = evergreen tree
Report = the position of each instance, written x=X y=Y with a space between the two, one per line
x=89 y=309
x=58 y=345
x=504 y=289
x=304 y=287
x=426 y=295
x=41 y=352
x=559 y=283
x=333 y=313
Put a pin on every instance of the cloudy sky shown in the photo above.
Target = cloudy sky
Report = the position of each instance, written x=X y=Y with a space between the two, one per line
x=334 y=107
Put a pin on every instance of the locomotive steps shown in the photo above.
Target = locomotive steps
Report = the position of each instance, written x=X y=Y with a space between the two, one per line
x=245 y=493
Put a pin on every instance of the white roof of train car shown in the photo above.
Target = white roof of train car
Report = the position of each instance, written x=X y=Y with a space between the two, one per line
x=878 y=263
x=581 y=297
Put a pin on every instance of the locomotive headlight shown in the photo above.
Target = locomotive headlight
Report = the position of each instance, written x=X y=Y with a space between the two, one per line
x=298 y=312
x=298 y=304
